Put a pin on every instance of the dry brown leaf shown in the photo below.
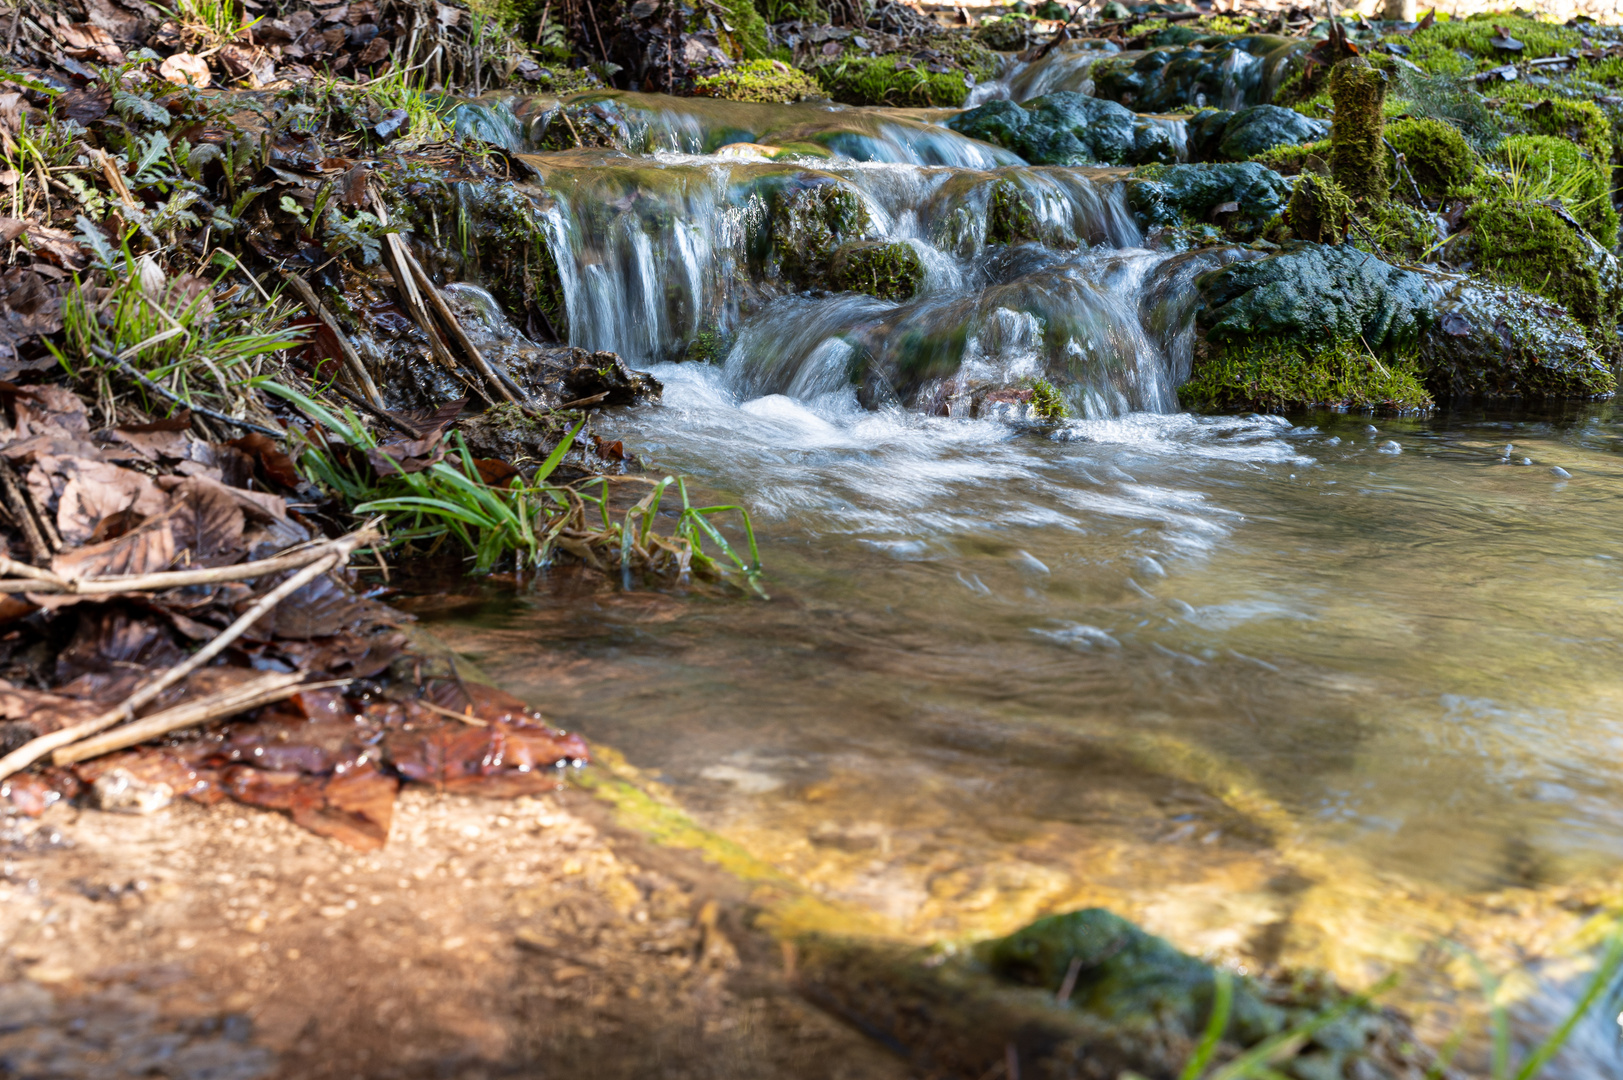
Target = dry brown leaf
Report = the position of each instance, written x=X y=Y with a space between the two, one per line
x=185 y=69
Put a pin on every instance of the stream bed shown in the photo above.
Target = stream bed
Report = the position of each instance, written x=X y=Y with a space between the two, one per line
x=1320 y=691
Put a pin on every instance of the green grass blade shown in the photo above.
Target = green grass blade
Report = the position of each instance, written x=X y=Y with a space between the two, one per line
x=1222 y=1000
x=1598 y=985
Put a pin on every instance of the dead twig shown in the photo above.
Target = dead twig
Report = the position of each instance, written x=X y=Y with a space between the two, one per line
x=46 y=582
x=437 y=302
x=352 y=359
x=23 y=513
x=34 y=749
x=270 y=687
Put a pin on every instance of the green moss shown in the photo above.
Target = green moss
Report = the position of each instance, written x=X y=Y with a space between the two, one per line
x=746 y=40
x=890 y=270
x=1047 y=402
x=1547 y=166
x=1010 y=218
x=1357 y=151
x=1436 y=57
x=1474 y=36
x=706 y=347
x=1582 y=122
x=890 y=80
x=809 y=223
x=1290 y=160
x=1527 y=244
x=1400 y=232
x=759 y=80
x=1319 y=210
x=1436 y=155
x=1276 y=376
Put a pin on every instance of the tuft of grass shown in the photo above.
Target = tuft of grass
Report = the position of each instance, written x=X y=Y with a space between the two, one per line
x=171 y=331
x=427 y=111
x=530 y=521
x=213 y=22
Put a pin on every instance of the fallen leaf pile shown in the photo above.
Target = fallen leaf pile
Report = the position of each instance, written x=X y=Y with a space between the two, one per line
x=146 y=497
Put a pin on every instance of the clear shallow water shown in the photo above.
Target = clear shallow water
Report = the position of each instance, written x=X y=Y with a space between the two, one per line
x=1287 y=692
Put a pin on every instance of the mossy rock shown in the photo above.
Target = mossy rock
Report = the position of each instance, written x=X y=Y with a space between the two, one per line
x=1528 y=244
x=1293 y=160
x=1067 y=128
x=1498 y=342
x=1276 y=375
x=1010 y=217
x=889 y=270
x=1187 y=195
x=1313 y=293
x=1436 y=155
x=759 y=80
x=1555 y=166
x=1137 y=1006
x=1218 y=135
x=1357 y=150
x=1582 y=122
x=892 y=80
x=742 y=35
x=1319 y=210
x=809 y=220
x=1010 y=32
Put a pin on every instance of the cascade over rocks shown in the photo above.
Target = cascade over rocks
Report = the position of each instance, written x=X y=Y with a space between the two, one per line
x=1067 y=128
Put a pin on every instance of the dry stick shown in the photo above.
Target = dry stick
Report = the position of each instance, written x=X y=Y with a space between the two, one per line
x=454 y=325
x=271 y=687
x=591 y=10
x=20 y=510
x=44 y=582
x=400 y=270
x=352 y=359
x=170 y=395
x=34 y=749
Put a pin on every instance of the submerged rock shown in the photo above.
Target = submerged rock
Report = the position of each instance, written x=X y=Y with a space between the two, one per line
x=1242 y=196
x=1493 y=341
x=1221 y=135
x=1085 y=996
x=1067 y=128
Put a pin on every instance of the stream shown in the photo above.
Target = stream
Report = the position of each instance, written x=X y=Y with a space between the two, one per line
x=1318 y=690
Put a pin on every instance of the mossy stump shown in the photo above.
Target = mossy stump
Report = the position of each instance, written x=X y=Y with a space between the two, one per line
x=1357 y=146
x=1319 y=210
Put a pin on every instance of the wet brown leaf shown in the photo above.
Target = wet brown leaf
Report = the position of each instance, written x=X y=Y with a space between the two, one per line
x=272 y=465
x=97 y=490
x=109 y=636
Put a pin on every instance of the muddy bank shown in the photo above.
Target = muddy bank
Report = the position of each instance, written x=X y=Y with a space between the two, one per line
x=492 y=937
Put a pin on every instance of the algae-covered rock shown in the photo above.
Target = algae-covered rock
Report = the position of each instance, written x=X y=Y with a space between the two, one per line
x=1357 y=148
x=1192 y=194
x=1219 y=135
x=1316 y=293
x=1135 y=1004
x=1319 y=210
x=809 y=220
x=1535 y=246
x=1066 y=128
x=1436 y=155
x=889 y=270
x=759 y=80
x=1496 y=341
x=1010 y=217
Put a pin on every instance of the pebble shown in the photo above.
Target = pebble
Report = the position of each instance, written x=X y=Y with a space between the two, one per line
x=1391 y=447
x=1527 y=461
x=120 y=792
x=1559 y=473
x=1371 y=429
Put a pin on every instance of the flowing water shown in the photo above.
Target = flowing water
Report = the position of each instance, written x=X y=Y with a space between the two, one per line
x=1321 y=690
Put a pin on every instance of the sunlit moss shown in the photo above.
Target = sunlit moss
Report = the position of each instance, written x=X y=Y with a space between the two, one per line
x=1551 y=167
x=1292 y=159
x=759 y=80
x=1265 y=375
x=1527 y=244
x=891 y=80
x=1436 y=155
x=889 y=270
